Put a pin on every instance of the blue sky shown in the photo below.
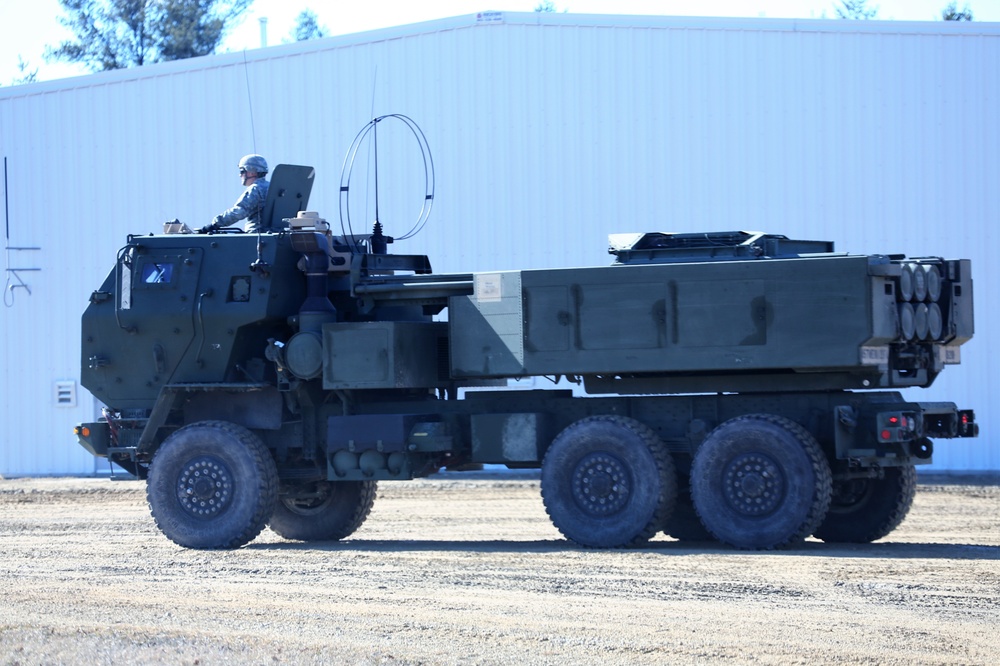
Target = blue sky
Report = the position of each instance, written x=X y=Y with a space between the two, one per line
x=27 y=27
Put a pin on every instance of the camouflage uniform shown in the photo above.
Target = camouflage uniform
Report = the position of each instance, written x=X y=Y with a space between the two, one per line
x=249 y=206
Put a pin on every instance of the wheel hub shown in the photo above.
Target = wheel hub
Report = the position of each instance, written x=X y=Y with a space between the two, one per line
x=850 y=493
x=754 y=484
x=601 y=484
x=204 y=487
x=310 y=503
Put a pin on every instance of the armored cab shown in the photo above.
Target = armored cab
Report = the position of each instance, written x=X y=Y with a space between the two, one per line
x=187 y=308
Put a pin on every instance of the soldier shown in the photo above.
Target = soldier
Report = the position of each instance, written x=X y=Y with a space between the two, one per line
x=253 y=171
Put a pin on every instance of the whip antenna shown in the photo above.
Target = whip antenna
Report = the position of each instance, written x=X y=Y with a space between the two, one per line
x=246 y=75
x=375 y=130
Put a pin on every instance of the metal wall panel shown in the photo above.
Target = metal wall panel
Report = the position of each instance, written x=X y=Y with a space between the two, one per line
x=548 y=133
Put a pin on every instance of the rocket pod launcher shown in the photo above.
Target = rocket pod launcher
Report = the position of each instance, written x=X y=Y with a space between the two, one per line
x=732 y=311
x=737 y=386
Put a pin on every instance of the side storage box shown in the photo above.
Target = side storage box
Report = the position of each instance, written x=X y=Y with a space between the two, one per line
x=384 y=355
x=510 y=438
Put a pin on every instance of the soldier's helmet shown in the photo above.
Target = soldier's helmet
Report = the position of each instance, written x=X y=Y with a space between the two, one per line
x=255 y=163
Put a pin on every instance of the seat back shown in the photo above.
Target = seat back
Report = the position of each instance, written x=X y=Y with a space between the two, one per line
x=287 y=194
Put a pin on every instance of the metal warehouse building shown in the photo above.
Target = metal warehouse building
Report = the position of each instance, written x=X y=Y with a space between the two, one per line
x=548 y=132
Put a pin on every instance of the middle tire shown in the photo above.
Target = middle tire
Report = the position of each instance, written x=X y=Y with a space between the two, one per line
x=333 y=511
x=608 y=482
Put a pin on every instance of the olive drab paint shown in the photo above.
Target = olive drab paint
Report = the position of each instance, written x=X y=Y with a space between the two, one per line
x=742 y=380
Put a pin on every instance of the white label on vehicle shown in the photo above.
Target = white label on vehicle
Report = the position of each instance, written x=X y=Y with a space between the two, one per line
x=488 y=287
x=875 y=355
x=950 y=355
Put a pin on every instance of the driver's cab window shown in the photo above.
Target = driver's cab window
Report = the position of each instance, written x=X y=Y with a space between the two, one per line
x=157 y=273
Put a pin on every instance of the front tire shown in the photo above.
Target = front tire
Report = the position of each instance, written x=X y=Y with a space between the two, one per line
x=759 y=482
x=333 y=511
x=212 y=484
x=864 y=510
x=608 y=482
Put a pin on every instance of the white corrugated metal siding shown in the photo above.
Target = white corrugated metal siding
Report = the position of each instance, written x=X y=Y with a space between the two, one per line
x=548 y=133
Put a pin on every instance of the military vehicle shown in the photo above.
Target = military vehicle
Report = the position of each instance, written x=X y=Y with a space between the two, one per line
x=740 y=386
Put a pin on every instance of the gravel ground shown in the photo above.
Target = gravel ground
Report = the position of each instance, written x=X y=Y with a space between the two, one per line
x=472 y=572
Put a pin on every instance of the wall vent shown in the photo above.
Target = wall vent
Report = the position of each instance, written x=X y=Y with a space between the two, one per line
x=66 y=394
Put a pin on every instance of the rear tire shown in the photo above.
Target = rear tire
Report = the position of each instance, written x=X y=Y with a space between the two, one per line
x=212 y=484
x=608 y=482
x=759 y=482
x=864 y=510
x=336 y=511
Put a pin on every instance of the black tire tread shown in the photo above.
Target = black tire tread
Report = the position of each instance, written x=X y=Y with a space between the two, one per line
x=286 y=526
x=896 y=499
x=684 y=523
x=665 y=469
x=268 y=487
x=823 y=482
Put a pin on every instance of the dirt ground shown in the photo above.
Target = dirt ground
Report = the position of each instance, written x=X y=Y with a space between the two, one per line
x=472 y=572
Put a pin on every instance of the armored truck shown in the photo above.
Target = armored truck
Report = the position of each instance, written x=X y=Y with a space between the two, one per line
x=737 y=386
